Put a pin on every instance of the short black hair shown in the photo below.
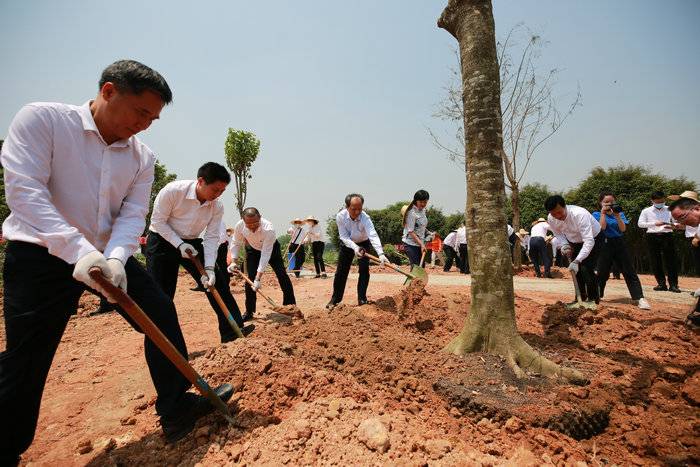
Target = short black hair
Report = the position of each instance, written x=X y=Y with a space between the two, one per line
x=349 y=198
x=134 y=77
x=683 y=203
x=553 y=201
x=250 y=212
x=603 y=194
x=212 y=172
x=658 y=194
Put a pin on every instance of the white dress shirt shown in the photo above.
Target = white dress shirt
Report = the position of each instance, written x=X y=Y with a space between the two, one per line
x=315 y=234
x=461 y=236
x=178 y=215
x=416 y=222
x=263 y=240
x=68 y=190
x=223 y=236
x=579 y=227
x=691 y=232
x=351 y=231
x=649 y=216
x=510 y=230
x=451 y=240
x=539 y=230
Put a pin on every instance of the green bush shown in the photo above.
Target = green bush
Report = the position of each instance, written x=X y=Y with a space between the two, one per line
x=394 y=255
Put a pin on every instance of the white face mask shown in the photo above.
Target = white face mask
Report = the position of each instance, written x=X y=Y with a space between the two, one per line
x=659 y=205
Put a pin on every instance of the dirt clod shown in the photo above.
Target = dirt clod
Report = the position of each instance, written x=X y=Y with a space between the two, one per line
x=373 y=434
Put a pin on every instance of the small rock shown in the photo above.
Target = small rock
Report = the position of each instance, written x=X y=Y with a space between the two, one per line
x=334 y=405
x=454 y=411
x=523 y=458
x=111 y=444
x=437 y=448
x=541 y=439
x=672 y=373
x=265 y=366
x=128 y=421
x=513 y=425
x=301 y=429
x=580 y=464
x=373 y=434
x=331 y=414
x=484 y=422
x=138 y=396
x=691 y=389
x=84 y=446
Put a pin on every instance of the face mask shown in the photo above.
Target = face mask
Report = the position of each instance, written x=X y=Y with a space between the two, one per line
x=659 y=205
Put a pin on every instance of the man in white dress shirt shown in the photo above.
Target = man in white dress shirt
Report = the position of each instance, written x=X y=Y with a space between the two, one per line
x=538 y=247
x=183 y=210
x=262 y=248
x=581 y=241
x=78 y=182
x=657 y=221
x=449 y=246
x=357 y=235
x=686 y=210
x=463 y=250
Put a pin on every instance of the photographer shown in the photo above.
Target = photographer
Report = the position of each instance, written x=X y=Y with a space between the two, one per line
x=613 y=223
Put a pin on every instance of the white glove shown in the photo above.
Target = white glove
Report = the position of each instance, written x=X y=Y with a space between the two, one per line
x=116 y=267
x=94 y=259
x=383 y=260
x=185 y=248
x=696 y=294
x=208 y=278
x=567 y=251
x=573 y=266
x=256 y=285
x=233 y=268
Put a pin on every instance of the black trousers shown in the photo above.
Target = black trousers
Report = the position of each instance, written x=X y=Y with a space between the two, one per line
x=450 y=256
x=222 y=256
x=299 y=256
x=345 y=257
x=40 y=297
x=163 y=261
x=614 y=251
x=317 y=250
x=464 y=255
x=695 y=254
x=540 y=256
x=586 y=277
x=661 y=245
x=277 y=265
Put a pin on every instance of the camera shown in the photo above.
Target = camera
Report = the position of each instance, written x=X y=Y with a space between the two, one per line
x=616 y=208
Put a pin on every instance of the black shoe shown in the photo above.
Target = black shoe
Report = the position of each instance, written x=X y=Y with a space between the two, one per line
x=245 y=330
x=324 y=275
x=247 y=316
x=199 y=288
x=364 y=302
x=330 y=306
x=317 y=276
x=548 y=275
x=674 y=288
x=660 y=288
x=538 y=274
x=176 y=427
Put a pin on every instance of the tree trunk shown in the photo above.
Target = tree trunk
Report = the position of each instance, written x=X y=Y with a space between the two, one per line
x=515 y=206
x=490 y=325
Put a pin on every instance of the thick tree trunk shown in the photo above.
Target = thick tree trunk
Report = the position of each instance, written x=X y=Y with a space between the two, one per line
x=515 y=206
x=490 y=325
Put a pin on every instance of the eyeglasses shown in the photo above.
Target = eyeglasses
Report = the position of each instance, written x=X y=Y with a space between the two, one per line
x=683 y=216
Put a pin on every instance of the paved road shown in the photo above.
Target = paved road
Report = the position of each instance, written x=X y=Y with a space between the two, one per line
x=615 y=289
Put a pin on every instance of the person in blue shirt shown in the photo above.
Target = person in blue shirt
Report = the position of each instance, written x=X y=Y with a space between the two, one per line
x=613 y=223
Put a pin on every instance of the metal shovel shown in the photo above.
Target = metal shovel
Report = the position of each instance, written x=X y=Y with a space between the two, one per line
x=579 y=301
x=416 y=273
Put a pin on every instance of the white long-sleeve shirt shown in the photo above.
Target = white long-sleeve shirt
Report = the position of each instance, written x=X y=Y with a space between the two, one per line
x=68 y=190
x=315 y=234
x=451 y=240
x=358 y=230
x=691 y=232
x=263 y=240
x=461 y=236
x=579 y=227
x=649 y=216
x=539 y=230
x=223 y=236
x=178 y=215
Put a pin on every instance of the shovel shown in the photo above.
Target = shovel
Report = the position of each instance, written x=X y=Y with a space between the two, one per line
x=579 y=302
x=416 y=273
x=217 y=297
x=259 y=292
x=158 y=338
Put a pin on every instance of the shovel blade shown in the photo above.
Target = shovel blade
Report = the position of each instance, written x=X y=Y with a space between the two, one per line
x=419 y=274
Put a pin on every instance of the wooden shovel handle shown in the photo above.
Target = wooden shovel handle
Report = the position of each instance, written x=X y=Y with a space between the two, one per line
x=250 y=283
x=158 y=338
x=217 y=297
x=392 y=266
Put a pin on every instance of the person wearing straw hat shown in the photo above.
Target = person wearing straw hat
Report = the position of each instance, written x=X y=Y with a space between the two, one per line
x=614 y=224
x=524 y=237
x=315 y=236
x=581 y=241
x=415 y=223
x=261 y=249
x=357 y=234
x=78 y=182
x=538 y=247
x=297 y=240
x=659 y=225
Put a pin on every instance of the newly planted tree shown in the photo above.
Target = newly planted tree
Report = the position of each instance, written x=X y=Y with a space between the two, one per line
x=241 y=149
x=490 y=325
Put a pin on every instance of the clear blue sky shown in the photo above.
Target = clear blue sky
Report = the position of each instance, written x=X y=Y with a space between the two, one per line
x=341 y=93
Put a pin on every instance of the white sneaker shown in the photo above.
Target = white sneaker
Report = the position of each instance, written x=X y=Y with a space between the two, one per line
x=643 y=304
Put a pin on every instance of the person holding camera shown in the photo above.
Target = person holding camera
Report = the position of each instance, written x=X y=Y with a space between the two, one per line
x=613 y=223
x=657 y=221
